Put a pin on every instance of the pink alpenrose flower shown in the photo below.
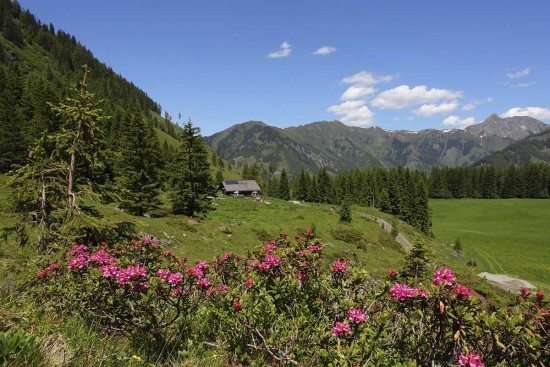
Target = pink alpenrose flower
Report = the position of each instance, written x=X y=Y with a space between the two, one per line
x=341 y=328
x=472 y=359
x=444 y=276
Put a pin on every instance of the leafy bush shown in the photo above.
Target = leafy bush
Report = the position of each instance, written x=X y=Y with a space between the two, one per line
x=282 y=306
x=348 y=235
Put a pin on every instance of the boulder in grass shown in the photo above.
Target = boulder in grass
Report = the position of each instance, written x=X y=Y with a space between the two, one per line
x=505 y=282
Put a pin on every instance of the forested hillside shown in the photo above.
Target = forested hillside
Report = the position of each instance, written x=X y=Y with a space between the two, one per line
x=533 y=149
x=37 y=63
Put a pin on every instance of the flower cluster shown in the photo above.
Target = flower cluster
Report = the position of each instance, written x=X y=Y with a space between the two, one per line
x=226 y=256
x=79 y=257
x=47 y=271
x=461 y=291
x=315 y=248
x=270 y=261
x=301 y=276
x=236 y=305
x=204 y=283
x=173 y=278
x=270 y=247
x=341 y=328
x=472 y=359
x=223 y=288
x=524 y=292
x=357 y=315
x=198 y=270
x=101 y=257
x=109 y=271
x=135 y=276
x=249 y=283
x=444 y=276
x=77 y=249
x=150 y=240
x=338 y=266
x=402 y=292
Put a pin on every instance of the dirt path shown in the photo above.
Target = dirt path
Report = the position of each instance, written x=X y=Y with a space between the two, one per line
x=400 y=238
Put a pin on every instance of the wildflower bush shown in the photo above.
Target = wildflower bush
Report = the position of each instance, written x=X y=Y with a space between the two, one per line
x=285 y=304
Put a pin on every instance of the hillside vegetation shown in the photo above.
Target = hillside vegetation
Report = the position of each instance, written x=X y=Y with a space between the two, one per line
x=533 y=149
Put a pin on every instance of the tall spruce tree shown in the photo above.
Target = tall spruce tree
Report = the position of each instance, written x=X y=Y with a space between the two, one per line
x=301 y=187
x=416 y=261
x=284 y=187
x=138 y=167
x=191 y=178
x=79 y=142
x=345 y=211
x=219 y=178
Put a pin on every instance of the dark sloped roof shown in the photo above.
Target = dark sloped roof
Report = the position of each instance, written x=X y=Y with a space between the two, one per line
x=234 y=185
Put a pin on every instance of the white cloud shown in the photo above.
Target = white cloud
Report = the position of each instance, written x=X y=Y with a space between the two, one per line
x=325 y=50
x=427 y=110
x=518 y=73
x=458 y=123
x=353 y=110
x=284 y=51
x=353 y=113
x=539 y=113
x=522 y=85
x=366 y=78
x=404 y=96
x=473 y=104
x=356 y=92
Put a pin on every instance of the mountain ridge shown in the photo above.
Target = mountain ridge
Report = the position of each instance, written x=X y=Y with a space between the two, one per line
x=336 y=146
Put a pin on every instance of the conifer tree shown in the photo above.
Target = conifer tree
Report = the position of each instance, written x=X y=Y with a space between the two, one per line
x=219 y=178
x=301 y=187
x=421 y=207
x=284 y=187
x=416 y=261
x=12 y=31
x=324 y=186
x=345 y=212
x=79 y=143
x=138 y=168
x=191 y=178
x=272 y=187
x=313 y=190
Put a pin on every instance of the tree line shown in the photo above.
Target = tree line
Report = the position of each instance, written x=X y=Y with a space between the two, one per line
x=397 y=191
x=71 y=165
x=489 y=182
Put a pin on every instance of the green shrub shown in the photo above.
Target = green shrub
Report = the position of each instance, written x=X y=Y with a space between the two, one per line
x=348 y=235
x=281 y=305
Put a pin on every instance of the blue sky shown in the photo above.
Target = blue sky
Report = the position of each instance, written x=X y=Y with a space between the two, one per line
x=409 y=64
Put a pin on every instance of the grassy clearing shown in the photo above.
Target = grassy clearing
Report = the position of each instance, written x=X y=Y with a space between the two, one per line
x=240 y=225
x=509 y=236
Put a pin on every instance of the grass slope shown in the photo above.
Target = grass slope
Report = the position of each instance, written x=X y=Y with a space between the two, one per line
x=509 y=236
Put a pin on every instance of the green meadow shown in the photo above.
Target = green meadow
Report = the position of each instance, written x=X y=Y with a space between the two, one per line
x=504 y=236
x=240 y=225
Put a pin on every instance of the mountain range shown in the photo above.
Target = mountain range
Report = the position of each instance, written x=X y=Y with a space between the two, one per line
x=336 y=146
